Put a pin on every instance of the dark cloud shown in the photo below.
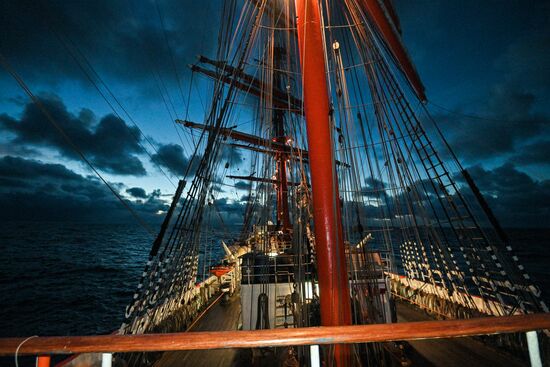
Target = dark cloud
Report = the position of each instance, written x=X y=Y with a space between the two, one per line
x=511 y=120
x=231 y=155
x=121 y=38
x=224 y=205
x=19 y=169
x=171 y=157
x=515 y=197
x=137 y=192
x=534 y=153
x=527 y=60
x=242 y=185
x=110 y=144
x=374 y=188
x=514 y=106
x=502 y=77
x=17 y=100
x=10 y=148
x=33 y=190
x=231 y=211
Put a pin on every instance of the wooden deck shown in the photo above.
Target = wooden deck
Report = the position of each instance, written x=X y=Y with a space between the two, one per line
x=222 y=316
x=456 y=352
x=435 y=352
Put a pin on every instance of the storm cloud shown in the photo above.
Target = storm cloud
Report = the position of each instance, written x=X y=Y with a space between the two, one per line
x=171 y=157
x=517 y=199
x=123 y=39
x=534 y=153
x=33 y=190
x=110 y=143
x=242 y=185
x=510 y=121
x=137 y=192
x=510 y=115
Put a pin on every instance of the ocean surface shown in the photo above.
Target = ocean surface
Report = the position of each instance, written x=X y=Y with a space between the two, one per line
x=76 y=279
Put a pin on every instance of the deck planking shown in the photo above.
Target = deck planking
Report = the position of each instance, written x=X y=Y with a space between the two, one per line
x=454 y=352
x=222 y=316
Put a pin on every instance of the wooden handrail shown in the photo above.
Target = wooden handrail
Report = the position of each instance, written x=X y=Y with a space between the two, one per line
x=275 y=337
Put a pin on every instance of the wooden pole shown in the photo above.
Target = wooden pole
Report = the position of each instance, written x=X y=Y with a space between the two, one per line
x=275 y=337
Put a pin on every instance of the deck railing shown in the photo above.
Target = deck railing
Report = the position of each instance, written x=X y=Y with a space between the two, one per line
x=42 y=346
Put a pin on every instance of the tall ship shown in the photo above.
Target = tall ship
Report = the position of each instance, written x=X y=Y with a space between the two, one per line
x=358 y=211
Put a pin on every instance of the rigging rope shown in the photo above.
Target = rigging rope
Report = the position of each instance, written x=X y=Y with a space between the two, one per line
x=172 y=56
x=89 y=77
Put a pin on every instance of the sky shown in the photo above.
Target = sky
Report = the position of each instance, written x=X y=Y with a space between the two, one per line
x=485 y=66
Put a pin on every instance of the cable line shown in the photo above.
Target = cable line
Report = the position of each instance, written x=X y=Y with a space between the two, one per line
x=92 y=69
x=172 y=57
x=468 y=115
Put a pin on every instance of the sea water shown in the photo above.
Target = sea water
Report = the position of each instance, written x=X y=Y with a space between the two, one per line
x=76 y=279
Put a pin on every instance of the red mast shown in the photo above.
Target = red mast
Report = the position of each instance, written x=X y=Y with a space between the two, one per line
x=392 y=40
x=283 y=216
x=331 y=261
